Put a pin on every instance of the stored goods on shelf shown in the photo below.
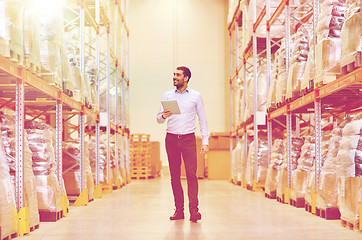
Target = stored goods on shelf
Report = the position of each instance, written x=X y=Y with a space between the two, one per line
x=237 y=157
x=262 y=161
x=262 y=94
x=72 y=171
x=281 y=83
x=327 y=193
x=7 y=124
x=297 y=144
x=305 y=164
x=51 y=42
x=11 y=30
x=102 y=160
x=272 y=103
x=351 y=33
x=8 y=212
x=116 y=173
x=308 y=75
x=32 y=41
x=329 y=46
x=274 y=168
x=40 y=137
x=350 y=199
x=297 y=63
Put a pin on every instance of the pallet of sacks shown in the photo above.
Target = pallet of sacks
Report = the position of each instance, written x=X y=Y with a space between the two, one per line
x=72 y=171
x=50 y=192
x=7 y=124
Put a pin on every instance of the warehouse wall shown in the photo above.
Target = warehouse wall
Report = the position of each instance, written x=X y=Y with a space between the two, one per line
x=166 y=34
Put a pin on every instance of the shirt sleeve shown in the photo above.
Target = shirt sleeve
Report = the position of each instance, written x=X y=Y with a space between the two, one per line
x=160 y=119
x=202 y=121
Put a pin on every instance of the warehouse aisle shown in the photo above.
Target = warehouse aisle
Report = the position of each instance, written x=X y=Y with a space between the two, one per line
x=141 y=210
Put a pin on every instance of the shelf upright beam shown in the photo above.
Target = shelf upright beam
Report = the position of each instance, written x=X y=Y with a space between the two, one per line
x=82 y=112
x=255 y=91
x=82 y=149
x=108 y=74
x=268 y=76
x=289 y=148
x=19 y=131
x=318 y=137
x=128 y=77
x=123 y=59
x=116 y=81
x=245 y=132
x=97 y=16
x=59 y=139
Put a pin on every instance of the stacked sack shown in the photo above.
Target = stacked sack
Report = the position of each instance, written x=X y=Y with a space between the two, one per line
x=327 y=194
x=305 y=164
x=11 y=29
x=7 y=124
x=349 y=170
x=297 y=63
x=351 y=31
x=297 y=144
x=102 y=160
x=8 y=212
x=40 y=138
x=274 y=168
x=262 y=161
x=329 y=43
x=71 y=169
x=262 y=93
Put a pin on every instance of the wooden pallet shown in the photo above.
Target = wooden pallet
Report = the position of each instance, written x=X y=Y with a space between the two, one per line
x=272 y=195
x=32 y=66
x=48 y=216
x=328 y=213
x=299 y=203
x=281 y=199
x=32 y=229
x=11 y=236
x=351 y=226
x=9 y=52
x=351 y=62
x=308 y=207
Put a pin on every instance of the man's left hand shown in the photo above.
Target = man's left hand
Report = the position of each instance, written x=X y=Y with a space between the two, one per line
x=204 y=149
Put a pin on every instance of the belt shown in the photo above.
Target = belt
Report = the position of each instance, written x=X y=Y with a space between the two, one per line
x=181 y=135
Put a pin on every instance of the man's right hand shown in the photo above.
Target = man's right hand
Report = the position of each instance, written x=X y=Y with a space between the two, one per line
x=166 y=113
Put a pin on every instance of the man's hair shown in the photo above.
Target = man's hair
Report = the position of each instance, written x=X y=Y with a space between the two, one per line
x=186 y=71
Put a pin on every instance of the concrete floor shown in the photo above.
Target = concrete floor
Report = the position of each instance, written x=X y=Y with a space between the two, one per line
x=141 y=210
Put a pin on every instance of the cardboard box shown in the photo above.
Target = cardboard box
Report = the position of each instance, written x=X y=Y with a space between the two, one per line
x=219 y=141
x=156 y=164
x=218 y=164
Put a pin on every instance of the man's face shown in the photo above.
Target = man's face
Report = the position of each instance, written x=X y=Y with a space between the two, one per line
x=179 y=80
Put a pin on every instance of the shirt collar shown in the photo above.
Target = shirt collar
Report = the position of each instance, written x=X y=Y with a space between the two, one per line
x=186 y=90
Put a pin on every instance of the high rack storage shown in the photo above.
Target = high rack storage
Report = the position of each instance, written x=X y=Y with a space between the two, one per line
x=32 y=92
x=297 y=88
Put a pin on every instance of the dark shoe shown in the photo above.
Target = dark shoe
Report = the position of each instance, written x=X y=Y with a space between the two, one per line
x=179 y=214
x=194 y=216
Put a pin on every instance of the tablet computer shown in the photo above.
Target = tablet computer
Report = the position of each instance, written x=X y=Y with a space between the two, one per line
x=171 y=105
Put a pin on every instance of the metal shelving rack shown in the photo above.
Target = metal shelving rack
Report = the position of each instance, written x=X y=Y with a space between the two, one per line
x=294 y=17
x=20 y=89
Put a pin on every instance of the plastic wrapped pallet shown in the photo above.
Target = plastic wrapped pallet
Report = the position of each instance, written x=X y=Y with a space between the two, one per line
x=32 y=40
x=329 y=43
x=262 y=162
x=281 y=81
x=71 y=169
x=305 y=164
x=116 y=175
x=47 y=186
x=308 y=75
x=327 y=193
x=102 y=160
x=11 y=29
x=297 y=63
x=262 y=94
x=277 y=156
x=8 y=212
x=350 y=199
x=297 y=144
x=7 y=124
x=351 y=32
x=271 y=103
x=91 y=72
x=349 y=156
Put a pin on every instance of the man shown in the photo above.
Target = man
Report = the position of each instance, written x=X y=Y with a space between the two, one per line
x=180 y=140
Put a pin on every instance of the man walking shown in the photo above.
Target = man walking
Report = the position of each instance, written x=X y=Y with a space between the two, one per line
x=180 y=140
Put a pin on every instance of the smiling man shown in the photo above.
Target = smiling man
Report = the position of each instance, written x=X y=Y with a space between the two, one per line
x=180 y=141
